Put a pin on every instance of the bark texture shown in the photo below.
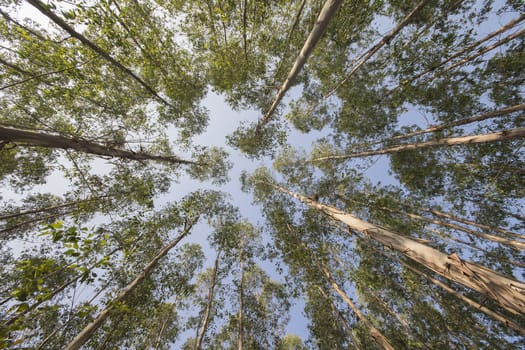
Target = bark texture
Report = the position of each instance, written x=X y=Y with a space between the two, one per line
x=462 y=140
x=40 y=139
x=325 y=16
x=507 y=292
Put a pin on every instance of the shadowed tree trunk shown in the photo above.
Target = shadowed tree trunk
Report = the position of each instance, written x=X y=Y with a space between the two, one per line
x=31 y=138
x=209 y=305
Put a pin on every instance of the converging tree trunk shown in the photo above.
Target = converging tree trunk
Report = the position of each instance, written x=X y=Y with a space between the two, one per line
x=460 y=122
x=363 y=58
x=88 y=331
x=45 y=10
x=31 y=138
x=374 y=332
x=497 y=316
x=462 y=140
x=209 y=305
x=508 y=293
x=325 y=16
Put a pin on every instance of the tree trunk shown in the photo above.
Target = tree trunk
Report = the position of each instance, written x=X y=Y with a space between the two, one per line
x=325 y=16
x=240 y=330
x=45 y=10
x=374 y=332
x=459 y=122
x=470 y=47
x=209 y=305
x=54 y=292
x=505 y=241
x=462 y=140
x=477 y=306
x=40 y=139
x=88 y=331
x=46 y=209
x=508 y=293
x=341 y=318
x=363 y=58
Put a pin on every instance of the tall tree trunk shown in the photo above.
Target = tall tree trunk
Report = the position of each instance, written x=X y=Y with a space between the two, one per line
x=505 y=241
x=363 y=58
x=45 y=10
x=374 y=332
x=88 y=331
x=477 y=306
x=161 y=332
x=54 y=292
x=462 y=140
x=469 y=48
x=325 y=16
x=40 y=139
x=209 y=305
x=240 y=330
x=508 y=293
x=460 y=122
x=473 y=223
x=340 y=316
x=47 y=209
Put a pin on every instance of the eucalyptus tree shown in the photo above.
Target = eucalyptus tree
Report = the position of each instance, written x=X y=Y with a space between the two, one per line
x=299 y=176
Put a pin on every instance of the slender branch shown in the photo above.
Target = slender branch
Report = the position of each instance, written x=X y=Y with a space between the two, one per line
x=44 y=9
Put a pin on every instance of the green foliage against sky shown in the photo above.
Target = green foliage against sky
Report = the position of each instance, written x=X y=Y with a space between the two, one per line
x=401 y=226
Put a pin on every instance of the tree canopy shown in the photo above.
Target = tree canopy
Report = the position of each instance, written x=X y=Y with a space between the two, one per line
x=369 y=193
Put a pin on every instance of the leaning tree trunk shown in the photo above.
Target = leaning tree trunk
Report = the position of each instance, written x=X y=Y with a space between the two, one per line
x=462 y=140
x=385 y=40
x=497 y=316
x=45 y=10
x=240 y=330
x=327 y=13
x=40 y=139
x=374 y=332
x=88 y=331
x=508 y=293
x=209 y=305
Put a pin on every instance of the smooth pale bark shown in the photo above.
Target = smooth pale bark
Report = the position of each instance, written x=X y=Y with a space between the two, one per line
x=462 y=140
x=69 y=321
x=46 y=209
x=477 y=306
x=47 y=218
x=363 y=58
x=209 y=305
x=45 y=10
x=497 y=44
x=505 y=241
x=374 y=332
x=88 y=331
x=470 y=47
x=468 y=222
x=460 y=122
x=507 y=292
x=161 y=332
x=473 y=246
x=338 y=314
x=31 y=138
x=328 y=11
x=41 y=75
